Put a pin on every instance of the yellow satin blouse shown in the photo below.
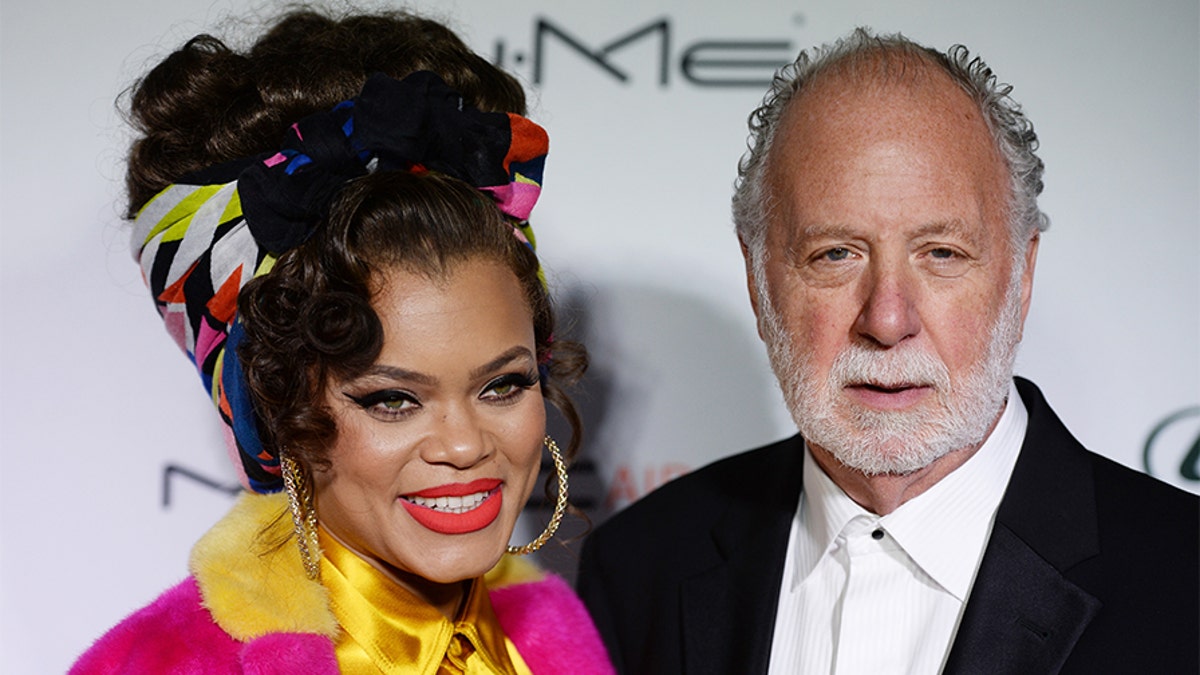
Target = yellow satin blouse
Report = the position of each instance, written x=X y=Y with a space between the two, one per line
x=387 y=629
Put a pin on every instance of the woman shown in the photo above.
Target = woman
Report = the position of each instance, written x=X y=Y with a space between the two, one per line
x=364 y=304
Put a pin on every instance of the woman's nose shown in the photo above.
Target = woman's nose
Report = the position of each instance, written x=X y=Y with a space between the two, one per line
x=459 y=439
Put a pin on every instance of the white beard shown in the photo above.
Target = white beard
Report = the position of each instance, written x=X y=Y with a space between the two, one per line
x=896 y=442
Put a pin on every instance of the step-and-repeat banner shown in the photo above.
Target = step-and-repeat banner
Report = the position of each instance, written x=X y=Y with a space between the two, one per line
x=112 y=463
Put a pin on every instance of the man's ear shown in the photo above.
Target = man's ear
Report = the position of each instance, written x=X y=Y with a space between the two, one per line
x=751 y=282
x=1031 y=251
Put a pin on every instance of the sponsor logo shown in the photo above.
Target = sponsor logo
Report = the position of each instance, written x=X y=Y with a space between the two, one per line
x=1172 y=450
x=173 y=471
x=721 y=61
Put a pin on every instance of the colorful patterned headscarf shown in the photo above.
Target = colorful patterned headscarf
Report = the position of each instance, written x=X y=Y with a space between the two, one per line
x=201 y=240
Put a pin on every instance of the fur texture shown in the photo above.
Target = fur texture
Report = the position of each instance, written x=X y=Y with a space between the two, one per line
x=550 y=627
x=252 y=589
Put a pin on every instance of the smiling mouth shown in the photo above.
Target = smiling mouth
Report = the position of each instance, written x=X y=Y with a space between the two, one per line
x=456 y=508
x=452 y=503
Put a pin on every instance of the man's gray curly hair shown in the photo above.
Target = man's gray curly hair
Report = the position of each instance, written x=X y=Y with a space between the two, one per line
x=1012 y=131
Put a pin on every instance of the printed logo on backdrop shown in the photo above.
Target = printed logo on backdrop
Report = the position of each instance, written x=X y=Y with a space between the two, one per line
x=659 y=53
x=1172 y=450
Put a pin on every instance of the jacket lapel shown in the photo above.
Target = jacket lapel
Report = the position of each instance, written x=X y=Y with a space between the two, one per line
x=728 y=611
x=1024 y=615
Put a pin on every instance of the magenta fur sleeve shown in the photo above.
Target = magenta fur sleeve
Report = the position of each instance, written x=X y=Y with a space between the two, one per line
x=550 y=628
x=173 y=634
x=176 y=634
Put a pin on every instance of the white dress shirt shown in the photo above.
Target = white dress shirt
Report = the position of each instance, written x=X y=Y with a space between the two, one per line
x=878 y=595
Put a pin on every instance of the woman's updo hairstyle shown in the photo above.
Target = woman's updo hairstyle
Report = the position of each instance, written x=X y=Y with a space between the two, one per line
x=310 y=319
x=207 y=104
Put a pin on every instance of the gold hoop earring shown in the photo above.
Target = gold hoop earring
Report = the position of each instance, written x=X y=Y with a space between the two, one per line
x=304 y=516
x=560 y=507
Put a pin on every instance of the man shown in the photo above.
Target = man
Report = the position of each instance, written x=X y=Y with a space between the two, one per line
x=933 y=515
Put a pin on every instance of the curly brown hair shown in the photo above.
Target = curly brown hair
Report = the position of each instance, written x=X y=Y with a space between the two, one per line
x=311 y=318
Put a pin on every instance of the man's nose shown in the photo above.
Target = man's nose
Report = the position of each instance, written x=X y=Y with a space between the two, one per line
x=889 y=313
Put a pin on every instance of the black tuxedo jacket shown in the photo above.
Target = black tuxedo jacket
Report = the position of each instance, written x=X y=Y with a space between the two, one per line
x=1090 y=568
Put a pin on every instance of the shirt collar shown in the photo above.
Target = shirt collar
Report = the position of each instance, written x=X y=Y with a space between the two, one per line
x=823 y=512
x=943 y=529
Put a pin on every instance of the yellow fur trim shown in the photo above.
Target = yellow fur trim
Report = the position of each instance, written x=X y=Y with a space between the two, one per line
x=511 y=571
x=250 y=589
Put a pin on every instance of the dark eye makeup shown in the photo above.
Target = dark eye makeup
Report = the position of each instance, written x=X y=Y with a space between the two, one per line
x=510 y=385
x=388 y=398
x=390 y=404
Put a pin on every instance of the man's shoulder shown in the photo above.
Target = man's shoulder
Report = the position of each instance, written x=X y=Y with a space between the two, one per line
x=1125 y=478
x=1122 y=537
x=1056 y=453
x=1144 y=513
x=1085 y=512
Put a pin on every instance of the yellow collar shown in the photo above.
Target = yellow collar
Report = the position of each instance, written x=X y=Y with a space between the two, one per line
x=387 y=628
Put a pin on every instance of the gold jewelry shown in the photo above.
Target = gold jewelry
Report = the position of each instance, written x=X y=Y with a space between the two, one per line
x=304 y=516
x=560 y=507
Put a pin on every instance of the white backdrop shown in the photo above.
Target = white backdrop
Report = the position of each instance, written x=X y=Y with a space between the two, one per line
x=95 y=401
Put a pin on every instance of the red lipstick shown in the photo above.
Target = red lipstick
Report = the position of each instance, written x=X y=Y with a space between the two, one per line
x=459 y=489
x=448 y=522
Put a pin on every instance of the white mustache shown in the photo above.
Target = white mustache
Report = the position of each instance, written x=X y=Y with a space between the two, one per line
x=889 y=369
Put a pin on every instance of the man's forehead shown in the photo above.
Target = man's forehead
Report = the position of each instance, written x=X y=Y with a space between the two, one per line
x=887 y=96
x=865 y=143
x=882 y=89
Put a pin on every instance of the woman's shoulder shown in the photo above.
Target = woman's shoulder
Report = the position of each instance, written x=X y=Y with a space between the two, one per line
x=240 y=611
x=177 y=634
x=173 y=633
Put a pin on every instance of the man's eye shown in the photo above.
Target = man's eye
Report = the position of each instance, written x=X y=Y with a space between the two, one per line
x=946 y=261
x=836 y=254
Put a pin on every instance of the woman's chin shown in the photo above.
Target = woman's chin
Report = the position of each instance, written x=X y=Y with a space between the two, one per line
x=455 y=563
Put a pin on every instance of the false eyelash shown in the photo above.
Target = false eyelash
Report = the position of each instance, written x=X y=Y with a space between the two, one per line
x=376 y=397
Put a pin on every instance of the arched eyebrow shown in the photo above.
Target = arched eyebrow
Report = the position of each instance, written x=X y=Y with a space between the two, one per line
x=515 y=353
x=512 y=354
x=394 y=373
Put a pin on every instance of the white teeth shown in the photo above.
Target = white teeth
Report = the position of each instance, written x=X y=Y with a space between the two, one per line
x=451 y=504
